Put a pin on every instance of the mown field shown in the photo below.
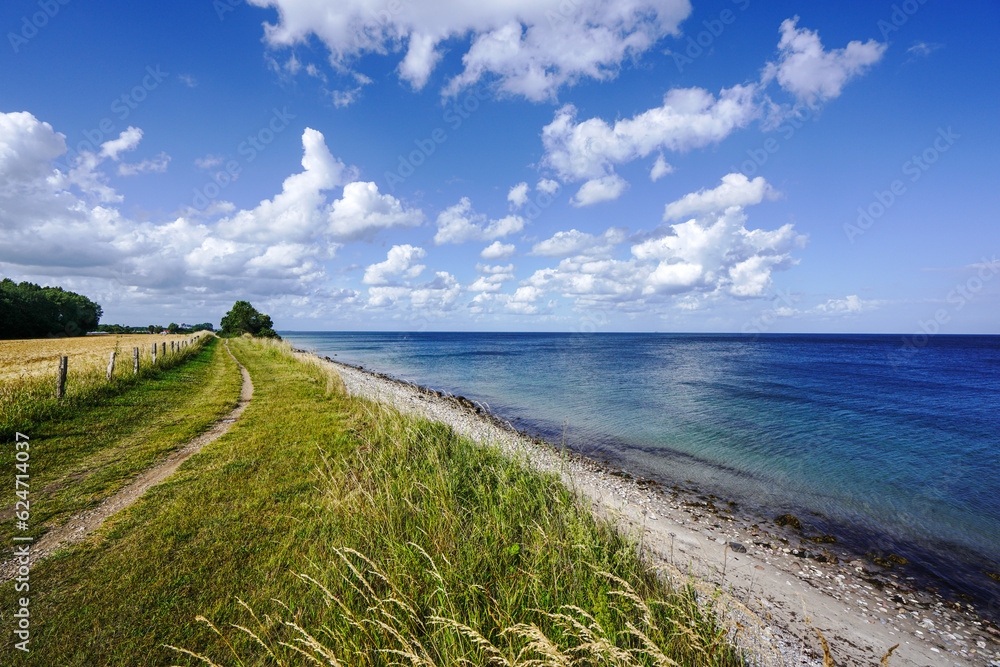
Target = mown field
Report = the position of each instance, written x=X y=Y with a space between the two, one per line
x=40 y=356
x=327 y=529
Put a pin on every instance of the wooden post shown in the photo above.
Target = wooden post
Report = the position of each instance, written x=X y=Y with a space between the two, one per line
x=61 y=377
x=154 y=354
x=111 y=365
x=135 y=360
x=171 y=347
x=164 y=348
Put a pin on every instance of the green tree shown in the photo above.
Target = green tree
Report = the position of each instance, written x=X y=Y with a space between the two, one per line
x=30 y=311
x=243 y=318
x=173 y=327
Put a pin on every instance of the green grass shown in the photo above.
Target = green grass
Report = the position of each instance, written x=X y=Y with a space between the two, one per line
x=324 y=529
x=99 y=440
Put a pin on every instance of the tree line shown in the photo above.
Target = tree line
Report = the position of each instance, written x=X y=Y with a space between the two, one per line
x=30 y=311
x=172 y=328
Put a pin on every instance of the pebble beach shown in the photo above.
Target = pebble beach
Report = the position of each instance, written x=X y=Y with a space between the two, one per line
x=775 y=586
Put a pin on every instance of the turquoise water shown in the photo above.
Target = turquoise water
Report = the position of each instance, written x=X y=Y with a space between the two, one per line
x=893 y=449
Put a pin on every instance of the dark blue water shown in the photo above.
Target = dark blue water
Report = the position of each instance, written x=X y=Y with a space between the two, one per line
x=893 y=448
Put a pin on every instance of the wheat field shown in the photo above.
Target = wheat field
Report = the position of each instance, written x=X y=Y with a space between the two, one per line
x=40 y=356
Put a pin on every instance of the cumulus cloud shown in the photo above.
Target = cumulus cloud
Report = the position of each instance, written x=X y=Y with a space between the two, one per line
x=295 y=214
x=518 y=195
x=363 y=211
x=64 y=225
x=688 y=118
x=575 y=242
x=492 y=278
x=400 y=261
x=660 y=169
x=717 y=253
x=497 y=250
x=126 y=141
x=813 y=74
x=548 y=186
x=691 y=118
x=530 y=48
x=736 y=190
x=460 y=223
x=596 y=190
x=710 y=257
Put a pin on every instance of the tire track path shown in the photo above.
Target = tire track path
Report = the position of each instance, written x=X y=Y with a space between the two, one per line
x=79 y=526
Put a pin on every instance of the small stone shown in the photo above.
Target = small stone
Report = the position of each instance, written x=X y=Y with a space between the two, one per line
x=737 y=547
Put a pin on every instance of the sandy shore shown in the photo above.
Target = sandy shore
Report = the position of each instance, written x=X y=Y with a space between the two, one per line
x=777 y=586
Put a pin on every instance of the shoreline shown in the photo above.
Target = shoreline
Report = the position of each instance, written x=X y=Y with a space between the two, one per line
x=779 y=586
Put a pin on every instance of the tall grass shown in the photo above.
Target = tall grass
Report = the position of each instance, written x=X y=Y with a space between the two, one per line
x=28 y=400
x=422 y=548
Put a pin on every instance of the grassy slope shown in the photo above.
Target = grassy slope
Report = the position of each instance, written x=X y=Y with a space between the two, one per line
x=404 y=537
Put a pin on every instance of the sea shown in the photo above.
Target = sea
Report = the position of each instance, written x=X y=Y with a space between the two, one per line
x=891 y=444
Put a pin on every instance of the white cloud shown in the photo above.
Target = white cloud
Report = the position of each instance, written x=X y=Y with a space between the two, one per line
x=157 y=165
x=660 y=169
x=362 y=212
x=575 y=242
x=208 y=161
x=126 y=141
x=295 y=214
x=689 y=118
x=922 y=49
x=497 y=250
x=849 y=305
x=27 y=145
x=812 y=74
x=709 y=258
x=530 y=47
x=491 y=282
x=692 y=118
x=494 y=269
x=594 y=191
x=460 y=223
x=421 y=58
x=438 y=294
x=51 y=227
x=736 y=190
x=400 y=261
x=548 y=186
x=518 y=195
x=188 y=80
x=717 y=253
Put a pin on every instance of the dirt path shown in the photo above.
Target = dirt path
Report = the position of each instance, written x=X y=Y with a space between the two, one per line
x=84 y=523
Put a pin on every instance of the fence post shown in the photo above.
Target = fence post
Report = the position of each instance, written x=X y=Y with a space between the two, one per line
x=164 y=348
x=172 y=347
x=135 y=360
x=61 y=377
x=154 y=354
x=111 y=365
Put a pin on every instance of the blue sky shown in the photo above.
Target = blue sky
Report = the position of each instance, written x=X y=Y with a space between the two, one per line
x=566 y=165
